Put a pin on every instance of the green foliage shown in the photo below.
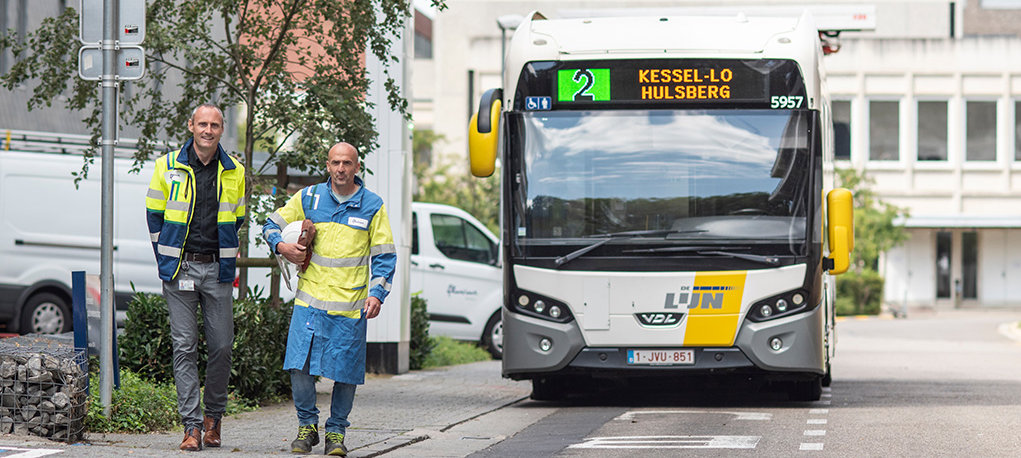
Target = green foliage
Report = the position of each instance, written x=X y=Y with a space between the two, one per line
x=257 y=357
x=421 y=344
x=138 y=406
x=859 y=293
x=449 y=352
x=874 y=228
x=440 y=184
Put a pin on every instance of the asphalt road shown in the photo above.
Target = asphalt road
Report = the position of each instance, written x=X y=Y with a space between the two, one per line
x=934 y=384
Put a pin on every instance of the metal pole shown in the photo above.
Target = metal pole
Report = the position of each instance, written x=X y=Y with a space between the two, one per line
x=106 y=311
x=503 y=50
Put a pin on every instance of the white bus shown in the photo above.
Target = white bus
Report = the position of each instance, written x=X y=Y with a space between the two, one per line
x=664 y=210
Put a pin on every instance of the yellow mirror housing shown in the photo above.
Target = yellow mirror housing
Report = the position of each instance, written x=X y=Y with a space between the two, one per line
x=840 y=222
x=483 y=134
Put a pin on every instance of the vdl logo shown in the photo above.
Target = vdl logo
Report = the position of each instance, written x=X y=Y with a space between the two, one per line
x=659 y=318
x=704 y=296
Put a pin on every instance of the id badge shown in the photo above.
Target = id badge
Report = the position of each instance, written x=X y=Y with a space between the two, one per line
x=186 y=284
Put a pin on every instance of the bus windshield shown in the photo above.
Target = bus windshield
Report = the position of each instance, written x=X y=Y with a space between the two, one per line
x=682 y=176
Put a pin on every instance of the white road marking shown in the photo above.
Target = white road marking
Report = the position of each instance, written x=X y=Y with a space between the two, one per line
x=815 y=432
x=670 y=442
x=811 y=446
x=818 y=411
x=28 y=452
x=758 y=416
x=817 y=421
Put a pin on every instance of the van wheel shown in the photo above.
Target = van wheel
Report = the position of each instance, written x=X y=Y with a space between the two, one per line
x=492 y=335
x=46 y=313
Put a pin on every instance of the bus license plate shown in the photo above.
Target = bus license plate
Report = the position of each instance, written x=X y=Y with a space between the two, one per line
x=661 y=357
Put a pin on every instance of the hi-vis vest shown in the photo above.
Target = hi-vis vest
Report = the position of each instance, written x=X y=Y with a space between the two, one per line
x=354 y=255
x=170 y=204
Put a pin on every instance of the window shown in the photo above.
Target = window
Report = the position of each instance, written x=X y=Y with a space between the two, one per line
x=969 y=265
x=1017 y=130
x=458 y=239
x=981 y=131
x=932 y=131
x=842 y=129
x=884 y=130
x=943 y=245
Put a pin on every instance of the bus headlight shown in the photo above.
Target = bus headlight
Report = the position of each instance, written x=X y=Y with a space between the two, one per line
x=536 y=305
x=780 y=305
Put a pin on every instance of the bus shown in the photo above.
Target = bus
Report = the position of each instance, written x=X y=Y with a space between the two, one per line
x=666 y=201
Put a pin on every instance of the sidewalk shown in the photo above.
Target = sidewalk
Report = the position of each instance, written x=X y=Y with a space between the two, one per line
x=390 y=412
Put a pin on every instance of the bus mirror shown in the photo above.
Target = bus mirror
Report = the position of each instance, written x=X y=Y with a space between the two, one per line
x=840 y=219
x=483 y=128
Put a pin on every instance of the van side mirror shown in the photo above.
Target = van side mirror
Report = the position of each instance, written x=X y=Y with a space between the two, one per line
x=483 y=128
x=840 y=222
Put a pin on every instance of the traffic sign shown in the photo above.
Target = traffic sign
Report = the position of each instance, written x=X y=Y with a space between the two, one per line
x=130 y=63
x=130 y=18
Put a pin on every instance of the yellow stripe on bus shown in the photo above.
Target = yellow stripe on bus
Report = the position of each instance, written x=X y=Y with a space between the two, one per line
x=714 y=320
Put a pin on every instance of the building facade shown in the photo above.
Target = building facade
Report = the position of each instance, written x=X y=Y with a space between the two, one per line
x=928 y=105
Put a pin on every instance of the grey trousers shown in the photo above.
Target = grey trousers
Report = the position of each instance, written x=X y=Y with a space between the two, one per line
x=217 y=305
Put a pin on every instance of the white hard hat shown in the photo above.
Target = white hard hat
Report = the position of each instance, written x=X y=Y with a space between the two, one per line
x=287 y=268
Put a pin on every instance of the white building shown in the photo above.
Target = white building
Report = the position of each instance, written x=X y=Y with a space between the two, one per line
x=927 y=105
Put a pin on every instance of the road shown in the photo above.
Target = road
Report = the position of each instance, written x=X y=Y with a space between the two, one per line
x=935 y=384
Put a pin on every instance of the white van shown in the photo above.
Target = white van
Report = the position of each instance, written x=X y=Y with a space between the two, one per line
x=455 y=268
x=49 y=229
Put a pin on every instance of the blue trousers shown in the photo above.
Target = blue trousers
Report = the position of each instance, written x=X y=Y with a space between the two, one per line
x=303 y=390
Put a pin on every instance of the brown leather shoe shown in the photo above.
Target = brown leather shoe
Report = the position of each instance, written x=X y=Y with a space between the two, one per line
x=192 y=440
x=211 y=427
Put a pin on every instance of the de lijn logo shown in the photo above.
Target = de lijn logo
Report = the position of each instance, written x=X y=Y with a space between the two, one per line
x=583 y=85
x=707 y=297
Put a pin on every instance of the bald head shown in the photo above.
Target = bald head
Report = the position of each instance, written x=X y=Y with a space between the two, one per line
x=342 y=165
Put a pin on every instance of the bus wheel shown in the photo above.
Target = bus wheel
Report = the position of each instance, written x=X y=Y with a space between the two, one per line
x=492 y=335
x=549 y=389
x=46 y=313
x=806 y=390
x=827 y=378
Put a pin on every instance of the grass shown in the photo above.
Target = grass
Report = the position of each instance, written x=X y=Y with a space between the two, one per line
x=449 y=352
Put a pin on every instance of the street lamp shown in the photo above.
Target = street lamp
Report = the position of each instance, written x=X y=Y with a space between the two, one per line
x=505 y=23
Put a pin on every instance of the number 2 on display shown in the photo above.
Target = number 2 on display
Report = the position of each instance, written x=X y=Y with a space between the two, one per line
x=783 y=101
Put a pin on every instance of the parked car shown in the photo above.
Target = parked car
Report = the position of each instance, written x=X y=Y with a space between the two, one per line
x=455 y=268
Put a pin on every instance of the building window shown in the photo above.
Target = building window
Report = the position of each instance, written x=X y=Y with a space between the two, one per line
x=980 y=131
x=884 y=129
x=969 y=264
x=943 y=245
x=842 y=129
x=1017 y=130
x=932 y=131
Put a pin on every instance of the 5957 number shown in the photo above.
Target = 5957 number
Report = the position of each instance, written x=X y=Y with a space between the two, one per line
x=786 y=101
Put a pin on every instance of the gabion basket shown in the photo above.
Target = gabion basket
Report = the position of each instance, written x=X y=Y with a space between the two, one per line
x=43 y=388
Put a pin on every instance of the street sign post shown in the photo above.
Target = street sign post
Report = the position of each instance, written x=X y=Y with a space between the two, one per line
x=131 y=27
x=130 y=63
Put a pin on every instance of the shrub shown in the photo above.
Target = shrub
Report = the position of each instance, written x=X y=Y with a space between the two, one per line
x=260 y=337
x=859 y=293
x=448 y=352
x=421 y=345
x=138 y=406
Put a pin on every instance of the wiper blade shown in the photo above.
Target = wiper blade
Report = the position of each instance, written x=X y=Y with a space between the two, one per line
x=706 y=250
x=560 y=261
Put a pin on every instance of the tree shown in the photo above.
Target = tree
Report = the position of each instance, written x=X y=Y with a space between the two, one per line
x=295 y=66
x=875 y=231
x=445 y=183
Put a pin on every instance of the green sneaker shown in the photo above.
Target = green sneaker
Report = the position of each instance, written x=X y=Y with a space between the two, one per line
x=335 y=444
x=308 y=435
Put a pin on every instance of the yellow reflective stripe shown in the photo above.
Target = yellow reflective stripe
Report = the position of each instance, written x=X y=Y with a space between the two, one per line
x=344 y=277
x=339 y=262
x=380 y=281
x=178 y=205
x=177 y=216
x=384 y=248
x=155 y=194
x=714 y=321
x=229 y=252
x=276 y=218
x=329 y=306
x=154 y=237
x=168 y=251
